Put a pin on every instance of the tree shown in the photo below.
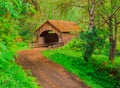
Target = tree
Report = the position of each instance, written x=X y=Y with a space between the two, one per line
x=90 y=6
x=110 y=15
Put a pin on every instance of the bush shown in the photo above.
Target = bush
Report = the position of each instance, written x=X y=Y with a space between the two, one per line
x=90 y=42
x=75 y=44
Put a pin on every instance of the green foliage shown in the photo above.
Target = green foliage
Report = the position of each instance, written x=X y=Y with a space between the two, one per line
x=19 y=46
x=76 y=44
x=99 y=72
x=95 y=36
x=89 y=42
x=93 y=39
x=12 y=14
x=12 y=75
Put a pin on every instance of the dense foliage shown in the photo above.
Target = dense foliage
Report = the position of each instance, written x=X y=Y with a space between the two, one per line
x=93 y=39
x=12 y=14
x=12 y=75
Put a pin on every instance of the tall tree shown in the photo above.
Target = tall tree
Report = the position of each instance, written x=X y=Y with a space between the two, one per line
x=110 y=12
x=90 y=6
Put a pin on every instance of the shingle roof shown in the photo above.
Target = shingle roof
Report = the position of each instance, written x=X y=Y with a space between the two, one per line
x=64 y=26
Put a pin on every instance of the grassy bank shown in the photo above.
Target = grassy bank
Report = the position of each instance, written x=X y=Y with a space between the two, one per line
x=99 y=72
x=12 y=75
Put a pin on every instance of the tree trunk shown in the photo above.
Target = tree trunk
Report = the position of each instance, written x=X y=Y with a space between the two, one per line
x=112 y=50
x=112 y=38
x=90 y=45
x=92 y=15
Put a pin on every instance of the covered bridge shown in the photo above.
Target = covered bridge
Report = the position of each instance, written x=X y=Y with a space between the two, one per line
x=54 y=32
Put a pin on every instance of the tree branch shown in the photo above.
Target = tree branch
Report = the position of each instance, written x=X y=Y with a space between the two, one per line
x=97 y=2
x=115 y=11
x=105 y=20
x=79 y=6
x=118 y=23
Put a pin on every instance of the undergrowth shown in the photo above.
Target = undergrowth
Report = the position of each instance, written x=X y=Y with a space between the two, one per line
x=12 y=75
x=99 y=72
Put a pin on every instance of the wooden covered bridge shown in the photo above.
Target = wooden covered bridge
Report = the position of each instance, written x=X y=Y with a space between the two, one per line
x=54 y=32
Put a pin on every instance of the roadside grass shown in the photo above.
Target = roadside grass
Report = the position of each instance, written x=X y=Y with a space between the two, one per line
x=99 y=72
x=19 y=46
x=12 y=75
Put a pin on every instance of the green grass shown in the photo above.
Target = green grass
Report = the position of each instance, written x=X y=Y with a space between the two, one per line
x=19 y=46
x=99 y=72
x=12 y=75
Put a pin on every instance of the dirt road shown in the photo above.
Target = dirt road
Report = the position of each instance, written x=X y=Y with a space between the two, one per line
x=48 y=74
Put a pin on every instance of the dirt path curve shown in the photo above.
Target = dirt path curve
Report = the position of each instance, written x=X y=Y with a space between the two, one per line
x=48 y=74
